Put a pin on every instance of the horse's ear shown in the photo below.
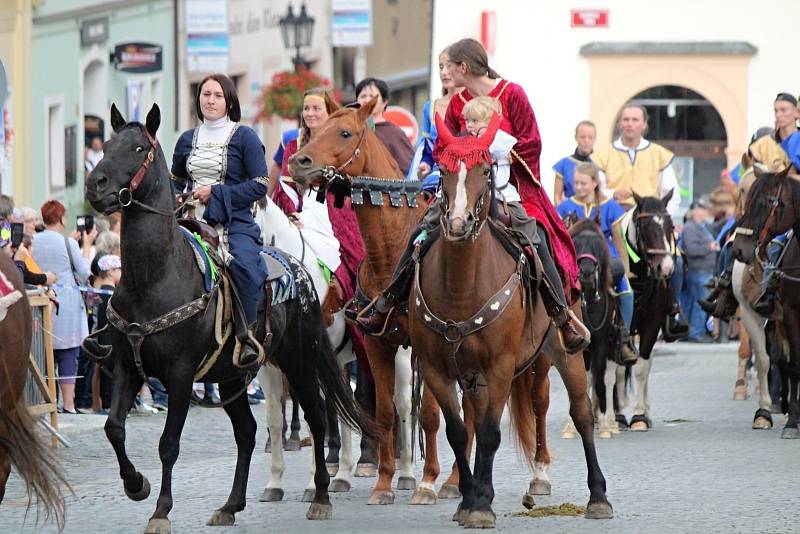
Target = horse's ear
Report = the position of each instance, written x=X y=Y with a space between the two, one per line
x=491 y=130
x=785 y=172
x=153 y=120
x=117 y=120
x=366 y=110
x=442 y=131
x=636 y=197
x=665 y=200
x=331 y=104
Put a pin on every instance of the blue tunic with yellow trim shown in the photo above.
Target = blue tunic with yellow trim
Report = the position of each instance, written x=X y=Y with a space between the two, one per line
x=241 y=180
x=565 y=168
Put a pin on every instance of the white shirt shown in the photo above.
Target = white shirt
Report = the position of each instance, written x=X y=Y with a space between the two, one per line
x=667 y=181
x=500 y=151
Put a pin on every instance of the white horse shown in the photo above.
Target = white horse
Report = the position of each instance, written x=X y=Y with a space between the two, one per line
x=754 y=324
x=277 y=230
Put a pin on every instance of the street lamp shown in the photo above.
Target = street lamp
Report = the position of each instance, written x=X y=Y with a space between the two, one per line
x=297 y=31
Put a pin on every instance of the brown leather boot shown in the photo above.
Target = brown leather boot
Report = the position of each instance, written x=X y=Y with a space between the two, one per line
x=373 y=318
x=574 y=335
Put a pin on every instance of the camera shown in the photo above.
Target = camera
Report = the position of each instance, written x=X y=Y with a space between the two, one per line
x=85 y=223
x=17 y=230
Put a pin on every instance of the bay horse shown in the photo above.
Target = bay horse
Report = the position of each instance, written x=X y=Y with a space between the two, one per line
x=20 y=447
x=649 y=243
x=474 y=322
x=277 y=230
x=599 y=309
x=159 y=276
x=346 y=145
x=772 y=209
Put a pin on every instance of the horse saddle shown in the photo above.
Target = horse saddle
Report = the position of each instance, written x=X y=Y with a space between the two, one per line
x=204 y=230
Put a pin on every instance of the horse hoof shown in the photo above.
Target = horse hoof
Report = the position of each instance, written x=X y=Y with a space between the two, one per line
x=292 y=445
x=480 y=519
x=381 y=497
x=221 y=518
x=762 y=423
x=366 y=470
x=308 y=495
x=568 y=434
x=271 y=495
x=639 y=426
x=604 y=434
x=740 y=393
x=599 y=510
x=423 y=497
x=339 y=485
x=461 y=515
x=527 y=501
x=622 y=422
x=158 y=526
x=615 y=429
x=332 y=468
x=449 y=491
x=140 y=495
x=539 y=487
x=319 y=512
x=406 y=483
x=790 y=433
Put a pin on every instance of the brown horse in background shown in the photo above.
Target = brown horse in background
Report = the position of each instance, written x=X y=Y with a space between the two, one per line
x=20 y=447
x=473 y=323
x=348 y=146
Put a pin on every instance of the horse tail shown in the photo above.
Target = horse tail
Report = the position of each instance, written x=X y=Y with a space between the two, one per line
x=337 y=390
x=34 y=463
x=523 y=418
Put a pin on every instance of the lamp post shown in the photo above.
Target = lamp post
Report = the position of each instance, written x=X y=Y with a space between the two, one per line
x=297 y=31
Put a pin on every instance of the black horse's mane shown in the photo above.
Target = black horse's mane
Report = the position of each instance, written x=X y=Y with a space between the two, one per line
x=589 y=232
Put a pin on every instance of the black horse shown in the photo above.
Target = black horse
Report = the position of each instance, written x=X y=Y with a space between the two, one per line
x=599 y=314
x=649 y=242
x=773 y=208
x=159 y=276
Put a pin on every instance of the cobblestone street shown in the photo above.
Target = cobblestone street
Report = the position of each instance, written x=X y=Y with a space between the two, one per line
x=701 y=469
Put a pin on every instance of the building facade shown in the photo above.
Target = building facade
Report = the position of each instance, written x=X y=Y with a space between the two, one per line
x=708 y=72
x=84 y=56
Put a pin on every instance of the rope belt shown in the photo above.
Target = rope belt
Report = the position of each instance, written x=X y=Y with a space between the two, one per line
x=136 y=332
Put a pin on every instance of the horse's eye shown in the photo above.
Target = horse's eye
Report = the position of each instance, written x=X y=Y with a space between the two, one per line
x=139 y=148
x=487 y=172
x=345 y=134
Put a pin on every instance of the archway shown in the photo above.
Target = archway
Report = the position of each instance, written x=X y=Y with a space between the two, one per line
x=689 y=125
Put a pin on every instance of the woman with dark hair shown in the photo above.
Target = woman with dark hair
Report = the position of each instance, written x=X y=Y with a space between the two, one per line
x=59 y=254
x=389 y=133
x=223 y=164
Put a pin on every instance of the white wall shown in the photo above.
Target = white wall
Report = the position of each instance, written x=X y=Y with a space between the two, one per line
x=537 y=48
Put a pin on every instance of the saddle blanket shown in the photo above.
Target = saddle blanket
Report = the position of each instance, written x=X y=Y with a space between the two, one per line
x=283 y=287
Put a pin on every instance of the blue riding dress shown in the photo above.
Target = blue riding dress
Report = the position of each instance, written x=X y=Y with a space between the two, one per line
x=610 y=212
x=231 y=159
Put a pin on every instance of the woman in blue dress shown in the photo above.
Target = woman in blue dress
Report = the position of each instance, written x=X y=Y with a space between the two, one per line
x=224 y=165
x=584 y=203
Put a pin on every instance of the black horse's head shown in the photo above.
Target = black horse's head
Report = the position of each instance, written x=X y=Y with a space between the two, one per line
x=772 y=208
x=127 y=156
x=594 y=263
x=655 y=236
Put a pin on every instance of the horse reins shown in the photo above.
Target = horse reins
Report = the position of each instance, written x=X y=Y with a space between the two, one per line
x=596 y=271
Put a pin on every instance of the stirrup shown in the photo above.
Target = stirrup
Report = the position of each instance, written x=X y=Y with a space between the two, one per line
x=237 y=352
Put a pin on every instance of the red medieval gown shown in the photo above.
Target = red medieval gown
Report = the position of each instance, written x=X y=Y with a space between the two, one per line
x=519 y=120
x=351 y=246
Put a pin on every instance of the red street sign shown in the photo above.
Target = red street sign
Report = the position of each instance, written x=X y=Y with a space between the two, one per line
x=404 y=119
x=488 y=31
x=590 y=18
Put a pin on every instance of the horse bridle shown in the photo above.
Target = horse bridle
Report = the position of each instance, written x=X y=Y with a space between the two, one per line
x=595 y=271
x=640 y=241
x=473 y=234
x=331 y=173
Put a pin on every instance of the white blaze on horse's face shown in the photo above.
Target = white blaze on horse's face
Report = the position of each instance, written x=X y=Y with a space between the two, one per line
x=458 y=215
x=667 y=264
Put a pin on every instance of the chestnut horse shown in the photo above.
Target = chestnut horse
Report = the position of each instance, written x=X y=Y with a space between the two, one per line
x=473 y=322
x=19 y=445
x=347 y=146
x=773 y=208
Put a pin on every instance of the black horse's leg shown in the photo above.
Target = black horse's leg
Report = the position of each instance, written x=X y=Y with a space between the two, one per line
x=126 y=384
x=244 y=430
x=367 y=465
x=307 y=392
x=293 y=443
x=180 y=382
x=334 y=438
x=792 y=371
